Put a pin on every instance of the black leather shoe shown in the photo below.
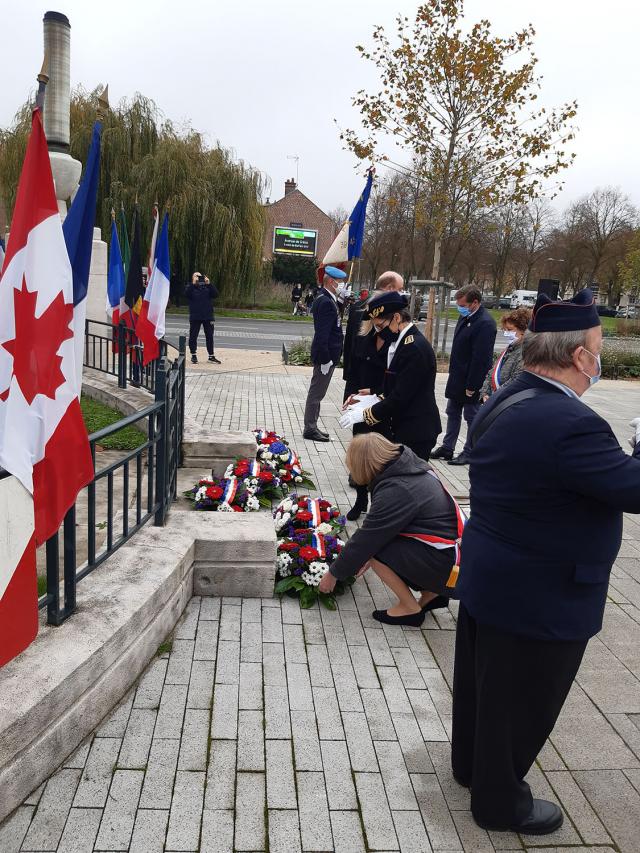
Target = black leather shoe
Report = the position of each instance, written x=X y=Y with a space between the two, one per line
x=315 y=435
x=460 y=459
x=214 y=359
x=442 y=453
x=194 y=358
x=462 y=782
x=322 y=432
x=544 y=819
x=435 y=603
x=356 y=510
x=414 y=620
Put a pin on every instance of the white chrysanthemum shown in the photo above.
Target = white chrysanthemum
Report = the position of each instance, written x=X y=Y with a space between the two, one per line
x=298 y=479
x=201 y=493
x=284 y=457
x=282 y=521
x=318 y=568
x=252 y=503
x=283 y=559
x=268 y=454
x=286 y=505
x=324 y=528
x=284 y=571
x=225 y=507
x=309 y=579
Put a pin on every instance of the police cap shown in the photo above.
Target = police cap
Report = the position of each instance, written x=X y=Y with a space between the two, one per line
x=386 y=304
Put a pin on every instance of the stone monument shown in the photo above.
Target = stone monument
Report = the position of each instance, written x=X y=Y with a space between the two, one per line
x=66 y=170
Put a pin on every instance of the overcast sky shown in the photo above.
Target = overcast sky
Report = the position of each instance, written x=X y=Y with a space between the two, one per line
x=267 y=79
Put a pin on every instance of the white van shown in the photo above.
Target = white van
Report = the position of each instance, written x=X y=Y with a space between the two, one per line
x=523 y=298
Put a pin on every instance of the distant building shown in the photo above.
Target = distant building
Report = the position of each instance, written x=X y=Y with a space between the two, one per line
x=296 y=226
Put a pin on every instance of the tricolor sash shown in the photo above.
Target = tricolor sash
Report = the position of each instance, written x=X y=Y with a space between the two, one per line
x=230 y=490
x=254 y=468
x=441 y=543
x=319 y=544
x=495 y=373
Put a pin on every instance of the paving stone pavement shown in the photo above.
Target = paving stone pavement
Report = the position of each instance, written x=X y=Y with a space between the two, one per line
x=263 y=727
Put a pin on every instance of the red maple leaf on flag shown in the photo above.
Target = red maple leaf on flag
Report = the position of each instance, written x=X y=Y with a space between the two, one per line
x=36 y=365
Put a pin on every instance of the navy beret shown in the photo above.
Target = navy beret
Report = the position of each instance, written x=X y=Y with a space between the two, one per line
x=389 y=302
x=569 y=316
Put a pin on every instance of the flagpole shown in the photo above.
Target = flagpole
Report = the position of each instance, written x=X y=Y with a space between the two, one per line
x=43 y=79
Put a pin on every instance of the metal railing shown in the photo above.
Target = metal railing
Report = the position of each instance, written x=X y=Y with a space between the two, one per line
x=118 y=351
x=146 y=476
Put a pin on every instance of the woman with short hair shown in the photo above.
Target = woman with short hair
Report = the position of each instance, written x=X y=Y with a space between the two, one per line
x=509 y=364
x=410 y=535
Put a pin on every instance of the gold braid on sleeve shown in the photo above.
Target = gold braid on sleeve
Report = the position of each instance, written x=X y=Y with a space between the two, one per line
x=369 y=418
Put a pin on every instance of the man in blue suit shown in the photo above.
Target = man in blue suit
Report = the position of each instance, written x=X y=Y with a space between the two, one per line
x=549 y=485
x=471 y=358
x=326 y=349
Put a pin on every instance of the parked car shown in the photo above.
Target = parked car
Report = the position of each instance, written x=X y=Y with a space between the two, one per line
x=504 y=303
x=490 y=301
x=605 y=311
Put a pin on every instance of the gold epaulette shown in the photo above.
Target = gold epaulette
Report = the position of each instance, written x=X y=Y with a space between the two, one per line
x=369 y=418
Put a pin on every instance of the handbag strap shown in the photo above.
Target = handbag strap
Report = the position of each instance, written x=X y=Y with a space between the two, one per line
x=481 y=427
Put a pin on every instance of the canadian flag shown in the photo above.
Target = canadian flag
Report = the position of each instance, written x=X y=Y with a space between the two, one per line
x=43 y=440
x=150 y=327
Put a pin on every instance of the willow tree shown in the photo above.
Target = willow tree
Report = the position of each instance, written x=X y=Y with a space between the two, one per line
x=462 y=105
x=216 y=222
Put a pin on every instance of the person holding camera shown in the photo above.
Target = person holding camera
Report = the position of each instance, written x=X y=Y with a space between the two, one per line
x=200 y=295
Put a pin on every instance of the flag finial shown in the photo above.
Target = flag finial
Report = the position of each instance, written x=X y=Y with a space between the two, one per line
x=113 y=214
x=43 y=79
x=103 y=103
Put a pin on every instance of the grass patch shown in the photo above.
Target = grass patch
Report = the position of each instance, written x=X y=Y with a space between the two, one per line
x=245 y=313
x=97 y=416
x=165 y=648
x=42 y=585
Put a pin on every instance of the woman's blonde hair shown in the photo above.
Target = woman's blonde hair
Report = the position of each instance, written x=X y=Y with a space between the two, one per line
x=368 y=454
x=367 y=325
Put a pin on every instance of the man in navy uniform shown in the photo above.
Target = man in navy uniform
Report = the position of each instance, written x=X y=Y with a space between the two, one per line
x=471 y=358
x=326 y=349
x=549 y=485
x=408 y=412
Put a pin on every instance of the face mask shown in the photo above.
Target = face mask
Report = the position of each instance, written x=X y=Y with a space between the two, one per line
x=510 y=336
x=388 y=336
x=463 y=310
x=596 y=378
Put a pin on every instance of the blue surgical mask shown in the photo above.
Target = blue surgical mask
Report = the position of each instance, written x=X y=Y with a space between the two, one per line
x=510 y=336
x=596 y=378
x=463 y=310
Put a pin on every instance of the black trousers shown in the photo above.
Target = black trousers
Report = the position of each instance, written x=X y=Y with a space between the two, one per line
x=194 y=331
x=507 y=694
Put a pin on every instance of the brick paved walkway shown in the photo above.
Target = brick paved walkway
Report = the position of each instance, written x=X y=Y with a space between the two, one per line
x=263 y=727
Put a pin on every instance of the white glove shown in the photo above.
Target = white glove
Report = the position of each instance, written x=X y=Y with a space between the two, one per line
x=351 y=416
x=635 y=423
x=344 y=292
x=325 y=368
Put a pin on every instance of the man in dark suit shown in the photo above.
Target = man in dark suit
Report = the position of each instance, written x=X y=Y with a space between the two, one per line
x=326 y=349
x=200 y=295
x=408 y=410
x=471 y=358
x=549 y=485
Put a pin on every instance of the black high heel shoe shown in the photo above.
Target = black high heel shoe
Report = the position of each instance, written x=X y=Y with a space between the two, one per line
x=357 y=509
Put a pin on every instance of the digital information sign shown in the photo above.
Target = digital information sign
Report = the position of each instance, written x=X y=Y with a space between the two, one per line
x=294 y=241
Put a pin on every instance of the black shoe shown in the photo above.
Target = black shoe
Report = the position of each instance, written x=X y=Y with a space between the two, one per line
x=414 y=620
x=194 y=358
x=435 y=603
x=356 y=510
x=214 y=359
x=461 y=459
x=442 y=453
x=322 y=432
x=544 y=819
x=315 y=435
x=462 y=782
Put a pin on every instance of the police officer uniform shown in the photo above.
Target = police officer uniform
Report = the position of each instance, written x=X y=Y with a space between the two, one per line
x=536 y=557
x=408 y=410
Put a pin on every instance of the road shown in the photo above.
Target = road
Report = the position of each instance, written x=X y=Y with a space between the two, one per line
x=260 y=335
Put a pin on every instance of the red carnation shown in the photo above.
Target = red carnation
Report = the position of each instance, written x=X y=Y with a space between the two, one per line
x=205 y=483
x=303 y=515
x=288 y=546
x=287 y=477
x=308 y=553
x=324 y=504
x=214 y=492
x=325 y=516
x=265 y=476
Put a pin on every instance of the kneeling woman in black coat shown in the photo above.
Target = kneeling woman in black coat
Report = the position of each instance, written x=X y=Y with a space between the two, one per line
x=410 y=535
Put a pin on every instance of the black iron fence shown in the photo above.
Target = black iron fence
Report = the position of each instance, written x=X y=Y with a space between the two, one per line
x=137 y=486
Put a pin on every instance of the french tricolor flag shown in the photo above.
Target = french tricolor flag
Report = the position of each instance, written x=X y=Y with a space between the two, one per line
x=43 y=440
x=116 y=282
x=151 y=322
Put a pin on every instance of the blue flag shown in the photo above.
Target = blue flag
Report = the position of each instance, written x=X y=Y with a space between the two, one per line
x=357 y=219
x=115 y=277
x=78 y=226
